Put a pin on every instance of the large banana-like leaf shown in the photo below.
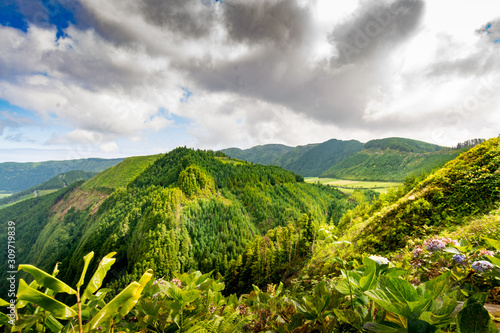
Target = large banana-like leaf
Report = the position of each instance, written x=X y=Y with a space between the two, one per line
x=130 y=303
x=86 y=262
x=58 y=309
x=99 y=275
x=46 y=280
x=113 y=306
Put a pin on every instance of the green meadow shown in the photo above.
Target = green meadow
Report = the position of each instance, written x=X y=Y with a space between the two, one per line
x=348 y=186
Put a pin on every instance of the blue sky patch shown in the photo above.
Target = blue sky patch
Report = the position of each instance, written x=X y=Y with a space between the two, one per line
x=186 y=95
x=11 y=17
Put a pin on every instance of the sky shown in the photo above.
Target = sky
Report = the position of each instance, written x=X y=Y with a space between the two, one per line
x=120 y=78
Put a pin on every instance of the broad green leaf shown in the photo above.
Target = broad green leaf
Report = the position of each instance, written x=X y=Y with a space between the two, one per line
x=348 y=316
x=452 y=250
x=53 y=324
x=46 y=280
x=384 y=327
x=418 y=307
x=175 y=293
x=474 y=318
x=130 y=303
x=58 y=309
x=99 y=275
x=493 y=242
x=21 y=304
x=398 y=289
x=113 y=306
x=86 y=262
x=369 y=279
x=494 y=260
x=4 y=319
x=395 y=272
x=434 y=287
x=420 y=326
x=386 y=302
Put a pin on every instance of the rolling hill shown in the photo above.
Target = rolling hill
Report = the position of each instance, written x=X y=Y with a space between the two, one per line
x=309 y=160
x=389 y=159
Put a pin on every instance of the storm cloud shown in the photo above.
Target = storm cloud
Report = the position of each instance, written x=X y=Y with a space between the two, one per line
x=287 y=71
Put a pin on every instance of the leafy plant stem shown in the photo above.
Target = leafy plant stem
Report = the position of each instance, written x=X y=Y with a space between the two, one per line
x=79 y=301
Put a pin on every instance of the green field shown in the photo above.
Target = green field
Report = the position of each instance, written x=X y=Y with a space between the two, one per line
x=348 y=186
x=4 y=195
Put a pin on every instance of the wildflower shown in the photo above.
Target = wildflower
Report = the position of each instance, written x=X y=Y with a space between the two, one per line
x=157 y=294
x=486 y=253
x=482 y=265
x=417 y=263
x=379 y=260
x=460 y=259
x=417 y=251
x=242 y=308
x=159 y=281
x=435 y=244
x=177 y=282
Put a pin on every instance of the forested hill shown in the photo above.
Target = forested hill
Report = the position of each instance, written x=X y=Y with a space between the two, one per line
x=16 y=177
x=391 y=159
x=188 y=209
x=310 y=160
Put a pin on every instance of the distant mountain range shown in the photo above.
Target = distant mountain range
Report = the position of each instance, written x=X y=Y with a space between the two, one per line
x=390 y=159
x=51 y=185
x=16 y=177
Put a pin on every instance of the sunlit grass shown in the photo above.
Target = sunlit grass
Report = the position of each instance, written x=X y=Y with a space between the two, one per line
x=348 y=186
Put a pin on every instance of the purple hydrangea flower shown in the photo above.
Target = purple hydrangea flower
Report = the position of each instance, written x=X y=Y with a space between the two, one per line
x=482 y=265
x=435 y=245
x=460 y=259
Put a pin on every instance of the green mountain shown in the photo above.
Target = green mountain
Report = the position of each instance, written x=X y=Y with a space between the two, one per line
x=391 y=159
x=53 y=184
x=265 y=154
x=316 y=160
x=310 y=160
x=185 y=210
x=16 y=177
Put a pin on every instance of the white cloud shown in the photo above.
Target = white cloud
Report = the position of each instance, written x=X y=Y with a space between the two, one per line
x=261 y=72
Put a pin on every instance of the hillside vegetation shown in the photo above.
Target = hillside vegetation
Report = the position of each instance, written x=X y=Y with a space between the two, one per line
x=464 y=190
x=390 y=159
x=16 y=177
x=206 y=243
x=187 y=210
x=308 y=161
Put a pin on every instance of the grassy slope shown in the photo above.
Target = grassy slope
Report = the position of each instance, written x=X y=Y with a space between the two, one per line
x=460 y=200
x=388 y=165
x=467 y=187
x=122 y=174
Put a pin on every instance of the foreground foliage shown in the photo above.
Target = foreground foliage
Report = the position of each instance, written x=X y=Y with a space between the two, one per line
x=373 y=296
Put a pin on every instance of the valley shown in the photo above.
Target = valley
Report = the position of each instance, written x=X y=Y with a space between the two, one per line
x=318 y=253
x=349 y=186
